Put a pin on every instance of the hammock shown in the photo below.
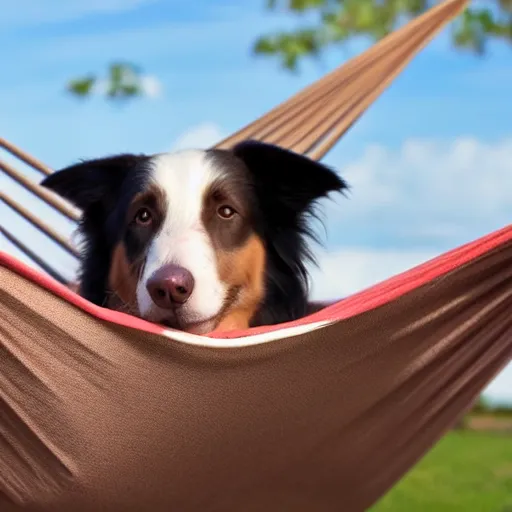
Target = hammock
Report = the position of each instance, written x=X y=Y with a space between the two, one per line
x=103 y=411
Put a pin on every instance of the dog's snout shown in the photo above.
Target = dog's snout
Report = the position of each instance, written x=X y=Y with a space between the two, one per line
x=170 y=286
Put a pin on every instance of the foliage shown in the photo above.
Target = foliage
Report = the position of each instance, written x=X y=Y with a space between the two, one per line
x=465 y=472
x=123 y=81
x=481 y=406
x=340 y=20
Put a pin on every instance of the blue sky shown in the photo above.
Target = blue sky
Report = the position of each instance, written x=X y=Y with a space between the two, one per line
x=430 y=164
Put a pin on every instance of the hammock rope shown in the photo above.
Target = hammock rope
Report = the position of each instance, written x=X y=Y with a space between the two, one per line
x=325 y=110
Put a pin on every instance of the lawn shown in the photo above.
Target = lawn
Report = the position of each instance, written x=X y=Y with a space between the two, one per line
x=467 y=471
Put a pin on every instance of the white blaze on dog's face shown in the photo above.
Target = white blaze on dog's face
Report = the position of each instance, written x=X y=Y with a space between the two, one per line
x=184 y=179
x=192 y=232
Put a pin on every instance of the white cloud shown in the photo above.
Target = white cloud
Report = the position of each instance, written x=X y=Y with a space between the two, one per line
x=202 y=136
x=462 y=174
x=151 y=86
x=429 y=189
x=344 y=272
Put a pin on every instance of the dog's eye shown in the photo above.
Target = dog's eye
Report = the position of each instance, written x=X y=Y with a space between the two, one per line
x=225 y=212
x=143 y=217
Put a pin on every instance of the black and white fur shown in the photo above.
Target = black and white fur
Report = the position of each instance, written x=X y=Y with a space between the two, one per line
x=274 y=191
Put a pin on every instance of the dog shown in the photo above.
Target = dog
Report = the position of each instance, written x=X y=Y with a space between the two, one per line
x=198 y=240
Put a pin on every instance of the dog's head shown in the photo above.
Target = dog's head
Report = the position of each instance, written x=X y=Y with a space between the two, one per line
x=198 y=240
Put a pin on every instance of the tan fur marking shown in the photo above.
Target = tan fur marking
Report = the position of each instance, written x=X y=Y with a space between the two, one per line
x=244 y=268
x=121 y=281
x=122 y=278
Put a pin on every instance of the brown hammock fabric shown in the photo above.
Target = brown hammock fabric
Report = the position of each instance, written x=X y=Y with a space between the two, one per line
x=101 y=411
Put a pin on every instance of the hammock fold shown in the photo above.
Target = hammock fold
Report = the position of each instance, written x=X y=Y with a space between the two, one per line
x=103 y=411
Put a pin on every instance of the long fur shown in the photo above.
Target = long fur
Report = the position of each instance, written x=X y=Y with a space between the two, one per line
x=286 y=187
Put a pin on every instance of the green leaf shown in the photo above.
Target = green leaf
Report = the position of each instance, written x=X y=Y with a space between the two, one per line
x=81 y=87
x=265 y=45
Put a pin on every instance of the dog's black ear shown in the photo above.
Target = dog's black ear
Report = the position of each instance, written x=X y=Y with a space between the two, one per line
x=294 y=180
x=92 y=182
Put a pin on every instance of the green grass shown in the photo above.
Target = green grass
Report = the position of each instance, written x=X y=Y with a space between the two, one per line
x=466 y=471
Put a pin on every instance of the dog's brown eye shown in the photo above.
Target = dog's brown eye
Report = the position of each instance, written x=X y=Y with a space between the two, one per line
x=226 y=212
x=143 y=217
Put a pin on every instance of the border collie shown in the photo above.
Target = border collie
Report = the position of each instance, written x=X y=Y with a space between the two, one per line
x=198 y=240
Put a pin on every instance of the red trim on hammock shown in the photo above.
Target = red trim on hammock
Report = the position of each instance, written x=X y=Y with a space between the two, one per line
x=360 y=302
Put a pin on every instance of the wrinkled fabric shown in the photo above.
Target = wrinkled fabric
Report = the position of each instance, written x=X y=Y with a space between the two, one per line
x=324 y=414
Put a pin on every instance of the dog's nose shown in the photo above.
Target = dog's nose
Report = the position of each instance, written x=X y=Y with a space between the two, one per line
x=170 y=286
